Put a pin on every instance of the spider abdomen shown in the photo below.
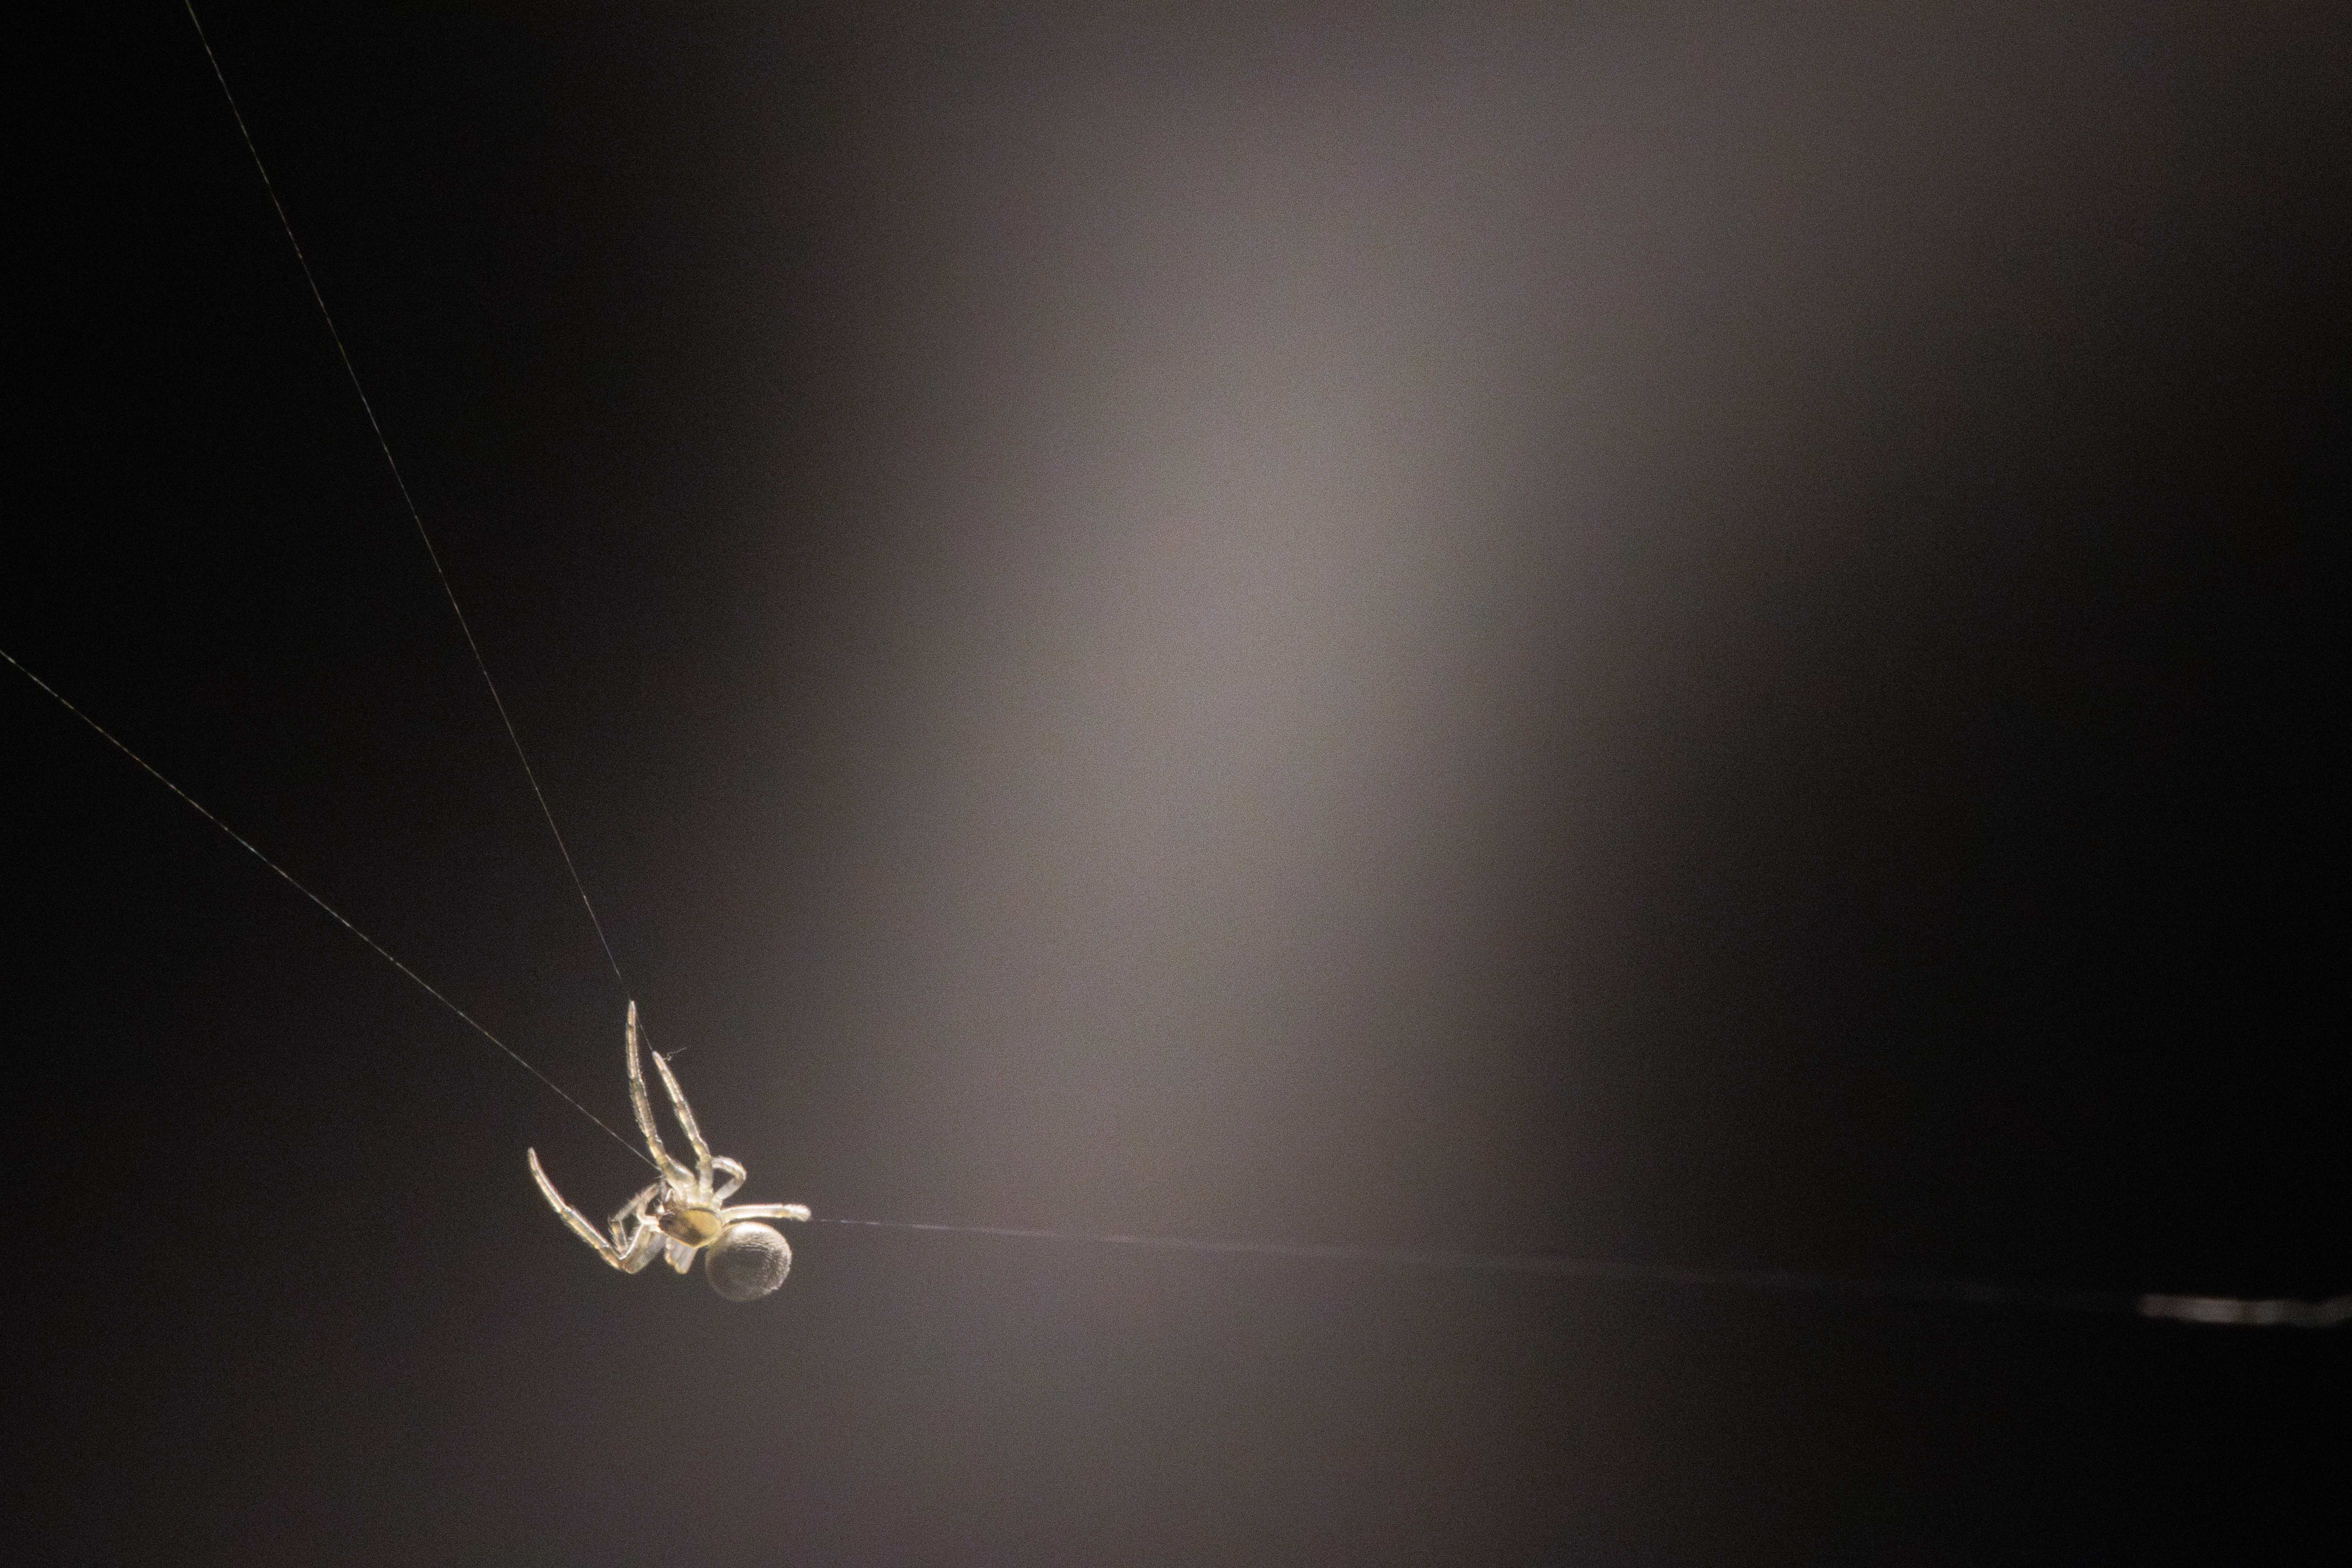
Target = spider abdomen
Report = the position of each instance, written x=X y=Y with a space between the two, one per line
x=748 y=1261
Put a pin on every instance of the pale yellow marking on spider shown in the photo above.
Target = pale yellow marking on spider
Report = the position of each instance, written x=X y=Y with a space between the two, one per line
x=684 y=1213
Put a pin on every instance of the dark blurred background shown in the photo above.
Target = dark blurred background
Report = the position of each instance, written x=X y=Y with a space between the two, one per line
x=1694 y=635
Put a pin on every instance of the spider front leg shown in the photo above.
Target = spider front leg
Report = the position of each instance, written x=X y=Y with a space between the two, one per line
x=703 y=1161
x=639 y=1250
x=642 y=1103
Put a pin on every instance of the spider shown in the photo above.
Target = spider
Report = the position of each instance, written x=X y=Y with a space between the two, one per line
x=683 y=1214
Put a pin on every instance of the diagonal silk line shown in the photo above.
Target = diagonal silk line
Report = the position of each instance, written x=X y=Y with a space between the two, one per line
x=291 y=880
x=400 y=482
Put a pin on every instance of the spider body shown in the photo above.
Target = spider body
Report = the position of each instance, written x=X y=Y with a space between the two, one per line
x=685 y=1212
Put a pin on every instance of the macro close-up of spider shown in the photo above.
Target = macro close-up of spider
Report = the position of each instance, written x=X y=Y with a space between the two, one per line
x=685 y=1213
x=1496 y=782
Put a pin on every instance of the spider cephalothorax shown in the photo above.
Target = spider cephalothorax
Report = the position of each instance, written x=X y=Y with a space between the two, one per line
x=685 y=1213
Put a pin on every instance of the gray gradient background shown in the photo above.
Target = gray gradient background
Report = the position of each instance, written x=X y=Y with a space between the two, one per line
x=1697 y=636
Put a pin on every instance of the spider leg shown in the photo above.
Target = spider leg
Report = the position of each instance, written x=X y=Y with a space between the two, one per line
x=642 y=1103
x=764 y=1211
x=627 y=1260
x=731 y=1169
x=640 y=1240
x=634 y=1209
x=686 y=1119
x=643 y=1251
